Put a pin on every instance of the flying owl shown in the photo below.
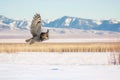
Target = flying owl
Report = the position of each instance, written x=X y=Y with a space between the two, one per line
x=35 y=29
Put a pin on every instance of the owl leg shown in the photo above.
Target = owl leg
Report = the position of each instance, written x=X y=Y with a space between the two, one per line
x=28 y=39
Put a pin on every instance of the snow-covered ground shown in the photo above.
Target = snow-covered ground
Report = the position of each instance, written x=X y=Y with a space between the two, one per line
x=59 y=72
x=57 y=58
x=57 y=66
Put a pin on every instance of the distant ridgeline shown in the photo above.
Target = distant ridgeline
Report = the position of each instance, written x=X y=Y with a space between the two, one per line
x=63 y=22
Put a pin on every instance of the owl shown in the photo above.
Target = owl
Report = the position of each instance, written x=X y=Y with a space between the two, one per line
x=35 y=29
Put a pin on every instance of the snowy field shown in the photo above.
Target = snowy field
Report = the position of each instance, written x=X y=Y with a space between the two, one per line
x=57 y=58
x=58 y=66
x=59 y=72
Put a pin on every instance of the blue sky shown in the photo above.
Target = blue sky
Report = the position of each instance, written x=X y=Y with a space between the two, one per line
x=52 y=9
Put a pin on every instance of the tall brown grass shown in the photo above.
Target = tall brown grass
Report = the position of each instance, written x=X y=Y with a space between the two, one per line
x=114 y=59
x=59 y=47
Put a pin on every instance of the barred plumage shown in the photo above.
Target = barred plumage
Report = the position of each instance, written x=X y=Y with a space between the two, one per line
x=35 y=27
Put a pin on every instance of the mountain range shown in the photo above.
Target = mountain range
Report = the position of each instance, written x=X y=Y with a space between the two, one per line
x=63 y=22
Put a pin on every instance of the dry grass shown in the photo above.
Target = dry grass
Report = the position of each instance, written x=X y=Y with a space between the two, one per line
x=60 y=47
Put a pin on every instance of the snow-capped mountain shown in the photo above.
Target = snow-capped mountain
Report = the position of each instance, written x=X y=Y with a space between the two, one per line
x=12 y=24
x=85 y=24
x=63 y=22
x=72 y=22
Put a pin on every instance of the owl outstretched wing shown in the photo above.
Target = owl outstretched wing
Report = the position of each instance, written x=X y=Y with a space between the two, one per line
x=35 y=27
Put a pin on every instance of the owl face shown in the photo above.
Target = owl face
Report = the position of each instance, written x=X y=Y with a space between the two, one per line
x=44 y=36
